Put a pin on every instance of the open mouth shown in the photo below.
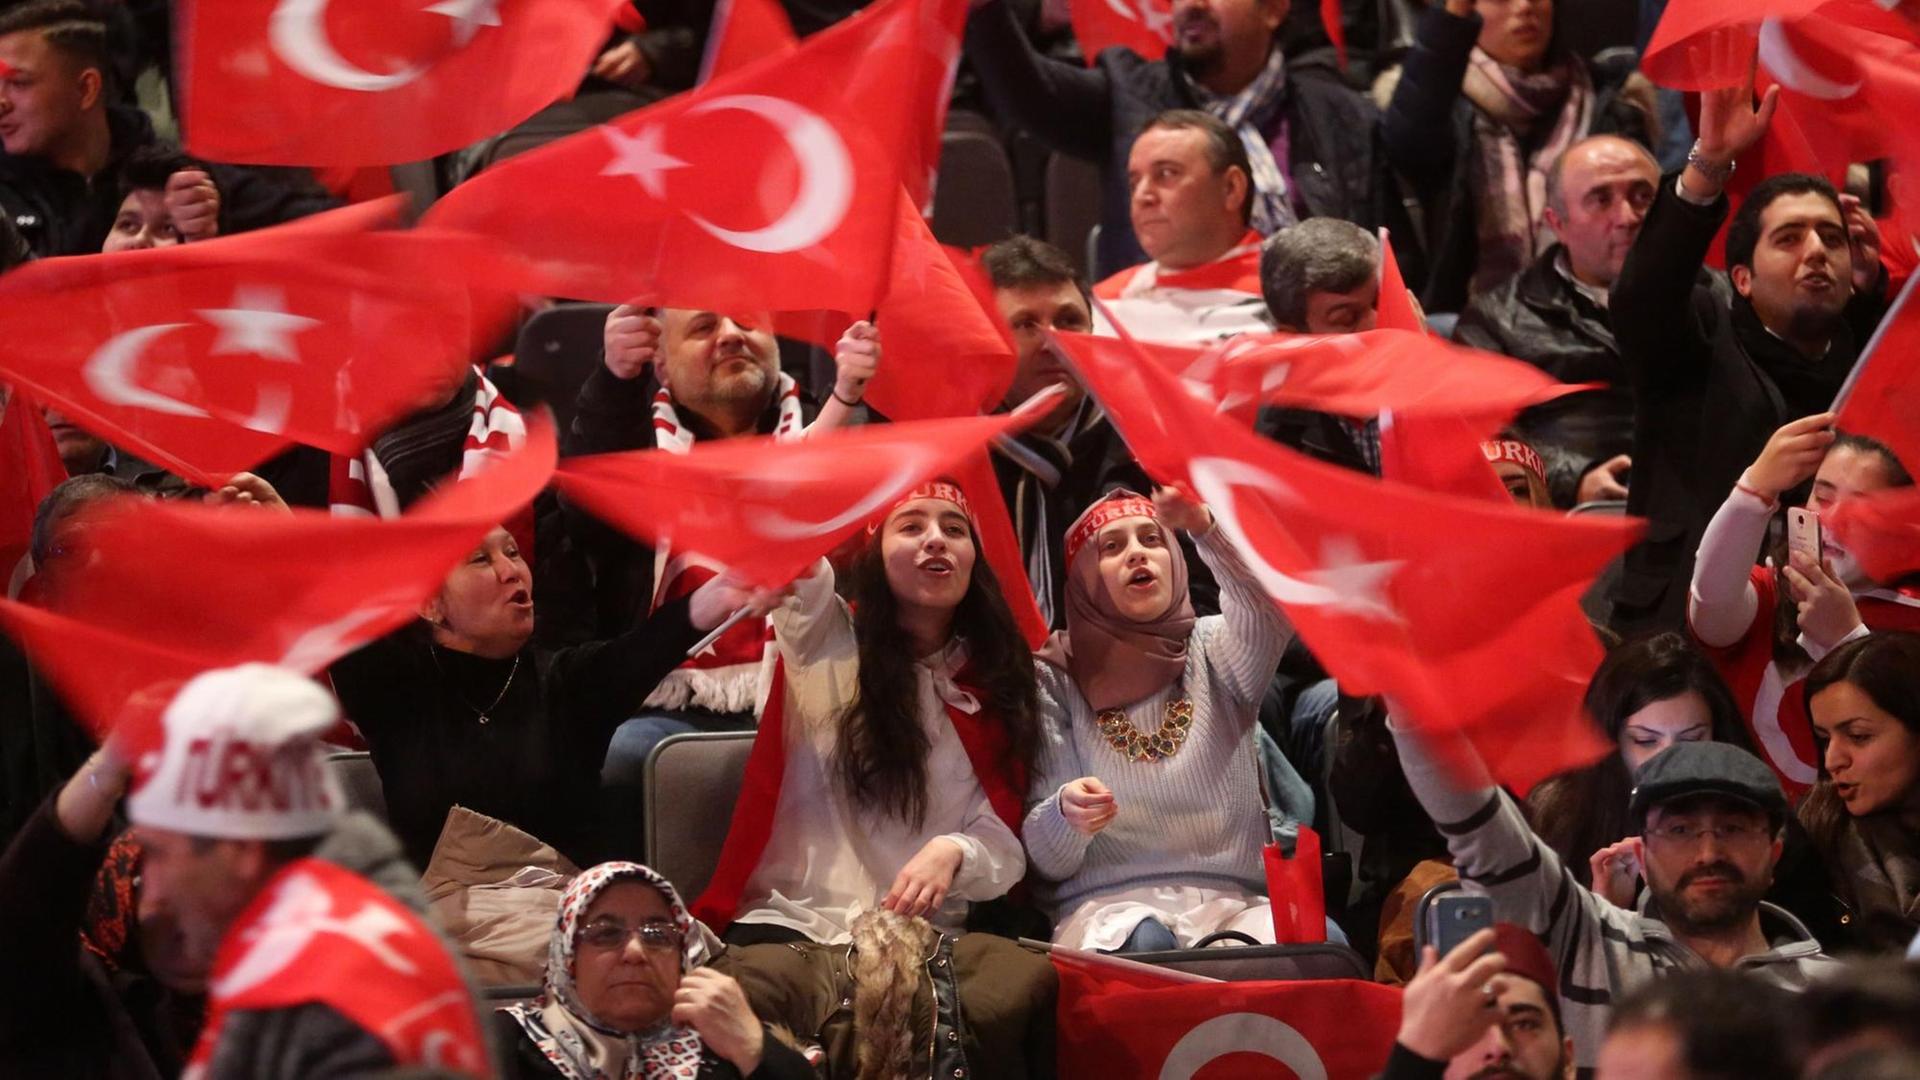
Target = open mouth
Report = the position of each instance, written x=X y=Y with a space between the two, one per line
x=521 y=598
x=1141 y=579
x=1846 y=791
x=1818 y=282
x=936 y=566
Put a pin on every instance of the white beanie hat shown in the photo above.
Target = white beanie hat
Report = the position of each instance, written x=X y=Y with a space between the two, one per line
x=239 y=758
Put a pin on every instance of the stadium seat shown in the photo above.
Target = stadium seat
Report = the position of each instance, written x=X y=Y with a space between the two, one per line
x=360 y=782
x=1071 y=206
x=691 y=783
x=1598 y=600
x=974 y=202
x=557 y=350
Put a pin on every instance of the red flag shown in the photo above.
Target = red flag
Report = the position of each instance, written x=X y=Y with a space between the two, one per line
x=209 y=358
x=1430 y=615
x=1881 y=397
x=941 y=23
x=1000 y=545
x=1334 y=20
x=298 y=589
x=768 y=509
x=945 y=355
x=374 y=82
x=1145 y=26
x=30 y=468
x=1397 y=309
x=1881 y=531
x=1708 y=44
x=768 y=189
x=745 y=31
x=1119 y=1024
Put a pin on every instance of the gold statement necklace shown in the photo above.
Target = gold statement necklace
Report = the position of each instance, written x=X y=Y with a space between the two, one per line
x=1163 y=742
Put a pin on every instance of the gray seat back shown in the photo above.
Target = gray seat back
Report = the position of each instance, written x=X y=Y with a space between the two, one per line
x=692 y=782
x=360 y=781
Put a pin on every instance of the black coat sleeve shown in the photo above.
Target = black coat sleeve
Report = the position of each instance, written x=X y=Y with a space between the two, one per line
x=1663 y=340
x=44 y=880
x=1067 y=107
x=254 y=197
x=1417 y=131
x=601 y=683
x=313 y=1041
x=611 y=414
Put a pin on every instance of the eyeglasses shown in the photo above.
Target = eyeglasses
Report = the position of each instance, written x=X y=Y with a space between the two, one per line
x=654 y=937
x=1683 y=834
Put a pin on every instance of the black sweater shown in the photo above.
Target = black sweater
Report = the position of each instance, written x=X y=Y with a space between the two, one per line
x=536 y=762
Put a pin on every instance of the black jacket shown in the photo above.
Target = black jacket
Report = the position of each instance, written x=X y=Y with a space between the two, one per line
x=1540 y=317
x=524 y=1061
x=535 y=762
x=64 y=213
x=1095 y=113
x=1710 y=385
x=1427 y=136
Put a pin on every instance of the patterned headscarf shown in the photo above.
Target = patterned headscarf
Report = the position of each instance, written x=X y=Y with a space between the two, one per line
x=112 y=922
x=576 y=1042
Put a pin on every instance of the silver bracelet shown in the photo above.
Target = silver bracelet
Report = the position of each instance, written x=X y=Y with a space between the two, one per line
x=1716 y=173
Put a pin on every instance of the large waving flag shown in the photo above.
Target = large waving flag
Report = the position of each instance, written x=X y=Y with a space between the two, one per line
x=1144 y=26
x=210 y=358
x=1429 y=615
x=298 y=589
x=768 y=509
x=1882 y=395
x=768 y=189
x=374 y=82
x=30 y=468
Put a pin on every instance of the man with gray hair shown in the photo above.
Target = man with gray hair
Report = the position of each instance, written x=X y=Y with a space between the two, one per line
x=1553 y=315
x=1322 y=276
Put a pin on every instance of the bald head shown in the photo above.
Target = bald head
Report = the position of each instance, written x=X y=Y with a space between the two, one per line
x=1597 y=196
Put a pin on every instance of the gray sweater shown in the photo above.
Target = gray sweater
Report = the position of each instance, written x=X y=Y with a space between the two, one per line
x=1602 y=951
x=1195 y=818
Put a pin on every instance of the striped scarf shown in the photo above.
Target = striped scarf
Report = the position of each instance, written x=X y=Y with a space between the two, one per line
x=731 y=675
x=1247 y=112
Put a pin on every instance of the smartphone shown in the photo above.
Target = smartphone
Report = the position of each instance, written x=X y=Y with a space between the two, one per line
x=1803 y=533
x=1452 y=918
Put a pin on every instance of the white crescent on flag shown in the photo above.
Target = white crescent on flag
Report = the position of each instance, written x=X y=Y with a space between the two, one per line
x=776 y=525
x=298 y=33
x=826 y=176
x=1777 y=55
x=1243 y=1033
x=109 y=372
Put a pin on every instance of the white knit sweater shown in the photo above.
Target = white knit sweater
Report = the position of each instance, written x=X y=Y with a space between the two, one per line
x=1195 y=818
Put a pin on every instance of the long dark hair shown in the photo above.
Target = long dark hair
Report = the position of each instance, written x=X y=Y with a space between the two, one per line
x=1786 y=613
x=882 y=750
x=1886 y=667
x=1578 y=813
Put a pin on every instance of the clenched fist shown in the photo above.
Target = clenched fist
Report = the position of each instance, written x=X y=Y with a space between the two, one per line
x=631 y=340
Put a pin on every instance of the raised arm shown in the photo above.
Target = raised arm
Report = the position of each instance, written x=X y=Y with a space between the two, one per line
x=1723 y=603
x=1065 y=106
x=1662 y=339
x=856 y=360
x=1246 y=645
x=1417 y=129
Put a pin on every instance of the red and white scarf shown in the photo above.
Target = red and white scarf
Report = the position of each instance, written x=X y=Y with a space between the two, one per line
x=359 y=487
x=319 y=934
x=730 y=675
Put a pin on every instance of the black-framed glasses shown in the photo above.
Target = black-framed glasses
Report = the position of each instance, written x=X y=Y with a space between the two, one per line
x=654 y=936
x=1686 y=834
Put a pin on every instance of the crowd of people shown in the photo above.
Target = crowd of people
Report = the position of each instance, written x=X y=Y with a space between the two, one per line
x=1731 y=890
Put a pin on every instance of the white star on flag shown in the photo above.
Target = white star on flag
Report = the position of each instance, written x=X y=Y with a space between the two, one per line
x=640 y=156
x=258 y=323
x=1359 y=586
x=468 y=17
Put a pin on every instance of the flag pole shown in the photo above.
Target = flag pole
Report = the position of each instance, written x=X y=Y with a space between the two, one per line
x=1873 y=343
x=701 y=645
x=1108 y=960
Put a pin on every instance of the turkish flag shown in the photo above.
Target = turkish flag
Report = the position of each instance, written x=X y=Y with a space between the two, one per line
x=769 y=189
x=1355 y=375
x=744 y=31
x=30 y=468
x=210 y=358
x=1123 y=1023
x=1709 y=44
x=1844 y=73
x=768 y=509
x=1145 y=26
x=1881 y=398
x=1397 y=308
x=298 y=589
x=374 y=82
x=1881 y=531
x=1430 y=616
x=945 y=354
